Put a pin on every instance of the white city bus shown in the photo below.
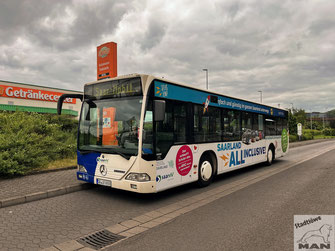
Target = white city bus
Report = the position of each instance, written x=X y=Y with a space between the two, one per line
x=146 y=134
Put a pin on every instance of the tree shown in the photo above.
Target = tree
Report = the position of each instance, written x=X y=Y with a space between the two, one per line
x=300 y=116
x=292 y=123
x=331 y=115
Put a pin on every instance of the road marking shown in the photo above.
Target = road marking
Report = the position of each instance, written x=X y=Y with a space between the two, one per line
x=146 y=221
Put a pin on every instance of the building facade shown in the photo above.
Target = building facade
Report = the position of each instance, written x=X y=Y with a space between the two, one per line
x=34 y=98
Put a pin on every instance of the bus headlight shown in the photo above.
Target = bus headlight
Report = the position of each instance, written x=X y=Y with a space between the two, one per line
x=138 y=177
x=81 y=169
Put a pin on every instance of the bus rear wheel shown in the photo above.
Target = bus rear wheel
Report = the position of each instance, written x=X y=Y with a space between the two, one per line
x=206 y=172
x=270 y=156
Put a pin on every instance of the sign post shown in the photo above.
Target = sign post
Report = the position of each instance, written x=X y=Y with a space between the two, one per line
x=107 y=60
x=299 y=125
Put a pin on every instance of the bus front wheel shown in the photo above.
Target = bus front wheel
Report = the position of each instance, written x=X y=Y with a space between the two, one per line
x=206 y=172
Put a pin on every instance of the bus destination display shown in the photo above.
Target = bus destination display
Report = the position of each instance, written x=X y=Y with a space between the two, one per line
x=114 y=89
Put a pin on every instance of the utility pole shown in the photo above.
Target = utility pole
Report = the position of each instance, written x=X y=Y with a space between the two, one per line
x=206 y=70
x=261 y=96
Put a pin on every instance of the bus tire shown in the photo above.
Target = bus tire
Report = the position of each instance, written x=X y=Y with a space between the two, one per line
x=270 y=156
x=205 y=171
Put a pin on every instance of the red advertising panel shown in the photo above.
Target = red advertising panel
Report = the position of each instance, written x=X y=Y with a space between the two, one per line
x=107 y=60
x=29 y=93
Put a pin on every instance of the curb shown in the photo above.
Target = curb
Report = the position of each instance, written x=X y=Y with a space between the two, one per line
x=44 y=195
x=40 y=172
x=308 y=142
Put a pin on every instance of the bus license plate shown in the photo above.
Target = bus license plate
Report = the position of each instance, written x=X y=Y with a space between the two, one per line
x=104 y=182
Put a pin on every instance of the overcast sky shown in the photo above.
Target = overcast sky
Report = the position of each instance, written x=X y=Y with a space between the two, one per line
x=286 y=49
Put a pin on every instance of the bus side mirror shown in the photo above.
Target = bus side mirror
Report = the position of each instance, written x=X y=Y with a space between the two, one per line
x=65 y=96
x=159 y=110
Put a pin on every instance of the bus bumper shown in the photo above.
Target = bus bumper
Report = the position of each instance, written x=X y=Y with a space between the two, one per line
x=133 y=186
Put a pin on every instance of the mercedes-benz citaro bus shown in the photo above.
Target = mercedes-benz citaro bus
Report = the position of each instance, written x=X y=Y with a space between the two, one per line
x=146 y=134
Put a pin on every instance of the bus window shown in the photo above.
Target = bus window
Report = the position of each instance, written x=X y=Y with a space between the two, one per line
x=180 y=122
x=279 y=127
x=147 y=139
x=164 y=131
x=214 y=124
x=201 y=124
x=260 y=125
x=246 y=120
x=270 y=127
x=231 y=125
x=285 y=125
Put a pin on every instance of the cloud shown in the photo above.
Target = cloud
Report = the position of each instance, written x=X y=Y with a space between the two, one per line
x=284 y=48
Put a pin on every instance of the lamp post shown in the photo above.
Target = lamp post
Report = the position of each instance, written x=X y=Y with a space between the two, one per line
x=292 y=108
x=261 y=96
x=206 y=70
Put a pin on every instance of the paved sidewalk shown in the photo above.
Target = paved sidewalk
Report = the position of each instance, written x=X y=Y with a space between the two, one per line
x=39 y=186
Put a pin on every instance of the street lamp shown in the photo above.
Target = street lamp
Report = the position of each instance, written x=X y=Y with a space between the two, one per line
x=261 y=96
x=292 y=108
x=206 y=70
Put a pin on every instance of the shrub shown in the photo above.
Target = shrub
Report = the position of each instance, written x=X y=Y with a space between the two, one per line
x=293 y=138
x=30 y=141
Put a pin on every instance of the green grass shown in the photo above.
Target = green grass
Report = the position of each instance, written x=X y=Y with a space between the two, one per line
x=323 y=137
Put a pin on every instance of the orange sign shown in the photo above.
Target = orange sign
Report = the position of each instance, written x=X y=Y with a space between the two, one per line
x=107 y=60
x=35 y=94
x=110 y=127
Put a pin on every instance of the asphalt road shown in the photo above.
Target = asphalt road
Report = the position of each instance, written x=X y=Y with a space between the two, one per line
x=258 y=217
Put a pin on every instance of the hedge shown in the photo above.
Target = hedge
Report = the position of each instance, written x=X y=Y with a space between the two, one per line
x=30 y=141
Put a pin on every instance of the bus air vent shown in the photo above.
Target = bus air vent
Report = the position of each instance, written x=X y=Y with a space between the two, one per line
x=100 y=239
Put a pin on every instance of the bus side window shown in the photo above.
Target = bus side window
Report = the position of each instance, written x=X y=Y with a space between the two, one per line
x=201 y=124
x=231 y=125
x=214 y=124
x=270 y=126
x=147 y=147
x=279 y=126
x=164 y=131
x=180 y=122
x=285 y=125
x=260 y=125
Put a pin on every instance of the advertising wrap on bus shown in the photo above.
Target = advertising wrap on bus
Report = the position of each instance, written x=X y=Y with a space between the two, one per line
x=171 y=91
x=34 y=94
x=180 y=166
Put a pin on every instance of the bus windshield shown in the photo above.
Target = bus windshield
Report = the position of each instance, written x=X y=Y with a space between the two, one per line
x=110 y=125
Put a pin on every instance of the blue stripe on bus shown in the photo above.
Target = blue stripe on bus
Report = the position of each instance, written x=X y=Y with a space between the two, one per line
x=89 y=161
x=170 y=91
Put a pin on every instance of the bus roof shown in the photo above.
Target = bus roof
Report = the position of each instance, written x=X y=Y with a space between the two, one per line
x=146 y=76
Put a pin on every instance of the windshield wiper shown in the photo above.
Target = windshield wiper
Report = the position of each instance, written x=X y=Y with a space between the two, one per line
x=105 y=151
x=87 y=151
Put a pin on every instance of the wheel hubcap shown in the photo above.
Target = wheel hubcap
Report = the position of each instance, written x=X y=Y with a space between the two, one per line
x=269 y=156
x=206 y=170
